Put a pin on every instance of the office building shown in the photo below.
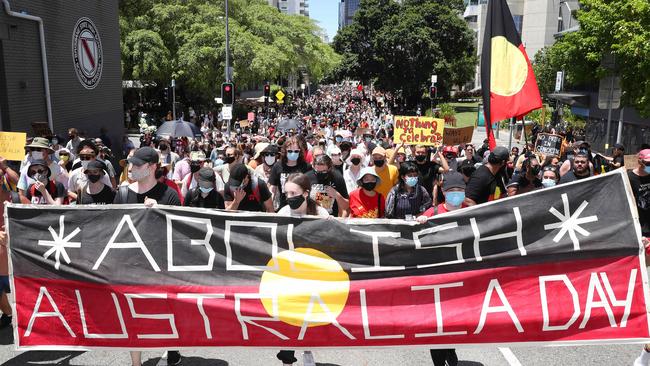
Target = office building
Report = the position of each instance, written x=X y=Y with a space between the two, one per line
x=296 y=7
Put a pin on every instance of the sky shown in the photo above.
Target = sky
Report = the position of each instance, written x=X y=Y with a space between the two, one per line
x=326 y=12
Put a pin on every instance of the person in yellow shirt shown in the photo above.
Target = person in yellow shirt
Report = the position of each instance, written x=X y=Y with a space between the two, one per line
x=387 y=173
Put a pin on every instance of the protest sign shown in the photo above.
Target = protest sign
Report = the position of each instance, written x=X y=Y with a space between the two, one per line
x=418 y=130
x=631 y=161
x=571 y=271
x=548 y=144
x=251 y=116
x=455 y=136
x=12 y=145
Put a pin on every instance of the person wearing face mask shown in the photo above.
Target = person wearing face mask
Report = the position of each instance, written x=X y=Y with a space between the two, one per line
x=428 y=168
x=487 y=183
x=292 y=161
x=299 y=202
x=39 y=149
x=167 y=156
x=550 y=176
x=246 y=192
x=269 y=156
x=205 y=194
x=55 y=143
x=257 y=155
x=73 y=140
x=328 y=187
x=527 y=179
x=453 y=187
x=408 y=198
x=44 y=190
x=197 y=158
x=335 y=154
x=365 y=202
x=388 y=173
x=63 y=156
x=232 y=156
x=95 y=191
x=87 y=153
x=354 y=164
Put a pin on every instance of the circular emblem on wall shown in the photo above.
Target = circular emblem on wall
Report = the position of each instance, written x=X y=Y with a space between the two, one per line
x=87 y=53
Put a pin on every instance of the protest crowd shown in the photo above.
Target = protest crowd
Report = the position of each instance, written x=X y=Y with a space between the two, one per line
x=329 y=155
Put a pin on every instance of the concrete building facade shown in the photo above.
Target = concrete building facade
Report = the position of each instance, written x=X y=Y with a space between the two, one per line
x=296 y=7
x=81 y=41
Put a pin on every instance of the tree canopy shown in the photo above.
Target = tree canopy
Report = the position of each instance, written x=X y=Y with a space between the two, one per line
x=185 y=40
x=399 y=46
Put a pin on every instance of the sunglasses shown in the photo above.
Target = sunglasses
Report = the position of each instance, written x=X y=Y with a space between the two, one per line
x=268 y=154
x=86 y=157
x=293 y=151
x=39 y=171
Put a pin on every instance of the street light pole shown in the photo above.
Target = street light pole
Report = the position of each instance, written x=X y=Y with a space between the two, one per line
x=173 y=99
x=227 y=57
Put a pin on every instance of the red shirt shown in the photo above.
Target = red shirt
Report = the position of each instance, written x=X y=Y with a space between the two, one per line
x=441 y=209
x=364 y=206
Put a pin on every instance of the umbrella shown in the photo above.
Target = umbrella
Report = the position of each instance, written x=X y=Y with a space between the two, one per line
x=178 y=129
x=288 y=124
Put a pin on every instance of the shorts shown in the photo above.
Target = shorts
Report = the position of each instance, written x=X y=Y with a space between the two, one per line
x=4 y=284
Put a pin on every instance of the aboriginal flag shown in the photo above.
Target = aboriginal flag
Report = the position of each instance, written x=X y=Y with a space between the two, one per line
x=507 y=78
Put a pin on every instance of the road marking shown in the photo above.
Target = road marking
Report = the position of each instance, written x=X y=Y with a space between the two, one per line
x=510 y=357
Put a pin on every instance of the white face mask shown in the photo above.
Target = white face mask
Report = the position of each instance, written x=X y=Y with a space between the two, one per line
x=139 y=175
x=269 y=160
x=37 y=155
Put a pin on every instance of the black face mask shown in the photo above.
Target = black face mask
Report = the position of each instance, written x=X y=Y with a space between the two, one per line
x=195 y=167
x=369 y=186
x=535 y=170
x=420 y=158
x=229 y=159
x=322 y=176
x=379 y=163
x=295 y=202
x=355 y=161
x=94 y=178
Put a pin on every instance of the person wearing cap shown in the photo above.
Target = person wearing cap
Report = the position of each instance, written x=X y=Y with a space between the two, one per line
x=39 y=149
x=86 y=154
x=618 y=158
x=145 y=188
x=246 y=192
x=257 y=159
x=205 y=194
x=63 y=157
x=355 y=163
x=95 y=191
x=580 y=168
x=197 y=160
x=365 y=202
x=388 y=173
x=640 y=182
x=269 y=156
x=44 y=190
x=487 y=183
x=334 y=152
x=453 y=188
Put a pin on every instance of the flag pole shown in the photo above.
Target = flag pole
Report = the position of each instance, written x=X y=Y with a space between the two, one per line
x=512 y=121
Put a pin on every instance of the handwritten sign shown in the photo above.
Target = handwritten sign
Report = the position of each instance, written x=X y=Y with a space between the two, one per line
x=418 y=130
x=548 y=144
x=12 y=145
x=456 y=136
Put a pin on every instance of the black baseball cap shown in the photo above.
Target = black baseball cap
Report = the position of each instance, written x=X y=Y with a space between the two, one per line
x=95 y=164
x=452 y=180
x=207 y=174
x=144 y=155
x=237 y=174
x=619 y=146
x=501 y=153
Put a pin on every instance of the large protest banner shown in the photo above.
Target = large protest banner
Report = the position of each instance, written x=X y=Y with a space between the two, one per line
x=562 y=265
x=418 y=130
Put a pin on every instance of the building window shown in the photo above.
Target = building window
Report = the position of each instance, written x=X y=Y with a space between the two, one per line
x=519 y=22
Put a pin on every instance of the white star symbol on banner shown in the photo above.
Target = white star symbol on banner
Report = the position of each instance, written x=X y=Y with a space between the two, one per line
x=570 y=223
x=60 y=243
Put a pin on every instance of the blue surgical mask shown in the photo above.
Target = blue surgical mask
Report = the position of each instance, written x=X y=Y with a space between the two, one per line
x=218 y=162
x=338 y=138
x=455 y=198
x=411 y=181
x=548 y=182
x=293 y=156
x=206 y=189
x=647 y=169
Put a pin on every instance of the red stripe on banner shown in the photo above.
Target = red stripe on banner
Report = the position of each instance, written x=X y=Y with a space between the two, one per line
x=580 y=301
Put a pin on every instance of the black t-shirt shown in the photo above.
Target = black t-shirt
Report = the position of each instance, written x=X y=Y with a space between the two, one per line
x=279 y=174
x=104 y=197
x=428 y=173
x=257 y=192
x=523 y=184
x=55 y=189
x=193 y=198
x=570 y=177
x=162 y=193
x=483 y=186
x=641 y=190
x=319 y=190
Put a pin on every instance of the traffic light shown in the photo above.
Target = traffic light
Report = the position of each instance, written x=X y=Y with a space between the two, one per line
x=267 y=90
x=166 y=95
x=432 y=92
x=228 y=93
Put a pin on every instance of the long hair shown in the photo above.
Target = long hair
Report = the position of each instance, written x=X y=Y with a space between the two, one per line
x=291 y=141
x=302 y=181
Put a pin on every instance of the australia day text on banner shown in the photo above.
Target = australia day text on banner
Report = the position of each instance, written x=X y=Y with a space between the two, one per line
x=418 y=130
x=561 y=265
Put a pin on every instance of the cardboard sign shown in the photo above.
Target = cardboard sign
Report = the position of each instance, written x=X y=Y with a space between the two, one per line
x=251 y=116
x=631 y=161
x=244 y=123
x=456 y=136
x=418 y=130
x=548 y=144
x=12 y=145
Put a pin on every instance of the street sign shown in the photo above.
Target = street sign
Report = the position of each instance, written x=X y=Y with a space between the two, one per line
x=559 y=81
x=226 y=112
x=610 y=87
x=434 y=79
x=279 y=96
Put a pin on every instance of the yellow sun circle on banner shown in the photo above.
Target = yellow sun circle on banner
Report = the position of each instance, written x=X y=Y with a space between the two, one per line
x=509 y=69
x=300 y=283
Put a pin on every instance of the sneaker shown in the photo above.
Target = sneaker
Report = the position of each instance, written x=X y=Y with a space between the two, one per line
x=173 y=358
x=5 y=321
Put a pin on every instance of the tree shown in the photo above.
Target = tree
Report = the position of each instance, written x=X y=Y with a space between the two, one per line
x=401 y=46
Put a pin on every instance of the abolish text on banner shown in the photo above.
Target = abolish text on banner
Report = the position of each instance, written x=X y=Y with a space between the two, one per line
x=418 y=130
x=560 y=265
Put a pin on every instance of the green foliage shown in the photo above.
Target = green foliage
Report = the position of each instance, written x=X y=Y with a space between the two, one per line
x=446 y=110
x=573 y=121
x=619 y=27
x=401 y=46
x=185 y=39
x=536 y=115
